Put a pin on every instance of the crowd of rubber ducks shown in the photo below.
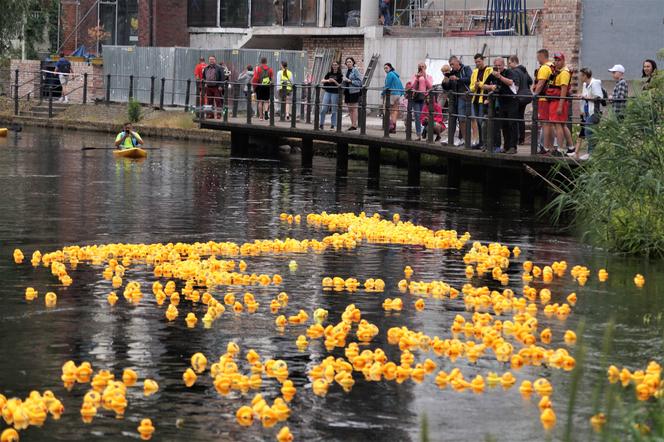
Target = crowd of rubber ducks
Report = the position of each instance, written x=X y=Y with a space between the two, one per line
x=500 y=322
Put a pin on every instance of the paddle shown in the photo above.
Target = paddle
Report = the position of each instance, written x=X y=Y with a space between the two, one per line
x=115 y=148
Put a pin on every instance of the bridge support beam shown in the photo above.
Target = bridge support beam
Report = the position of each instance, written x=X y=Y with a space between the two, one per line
x=342 y=159
x=413 y=168
x=453 y=172
x=307 y=152
x=239 y=144
x=374 y=162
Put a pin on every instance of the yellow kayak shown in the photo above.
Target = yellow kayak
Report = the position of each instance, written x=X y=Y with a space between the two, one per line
x=3 y=131
x=135 y=152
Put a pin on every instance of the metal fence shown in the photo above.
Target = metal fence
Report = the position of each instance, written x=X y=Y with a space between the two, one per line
x=176 y=66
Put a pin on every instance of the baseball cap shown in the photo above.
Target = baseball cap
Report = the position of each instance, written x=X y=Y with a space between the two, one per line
x=559 y=55
x=617 y=68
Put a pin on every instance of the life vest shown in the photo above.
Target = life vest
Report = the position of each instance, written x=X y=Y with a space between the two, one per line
x=551 y=88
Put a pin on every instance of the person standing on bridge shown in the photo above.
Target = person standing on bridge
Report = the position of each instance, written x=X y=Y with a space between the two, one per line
x=214 y=76
x=394 y=85
x=420 y=85
x=352 y=82
x=331 y=84
x=503 y=85
x=457 y=83
x=198 y=76
x=480 y=75
x=64 y=70
x=285 y=87
x=262 y=82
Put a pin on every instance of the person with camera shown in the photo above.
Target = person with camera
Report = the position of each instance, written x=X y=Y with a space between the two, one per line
x=128 y=138
x=502 y=83
x=420 y=84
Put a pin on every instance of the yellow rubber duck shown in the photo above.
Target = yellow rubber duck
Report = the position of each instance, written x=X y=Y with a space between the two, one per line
x=146 y=429
x=198 y=362
x=419 y=305
x=597 y=422
x=189 y=377
x=150 y=387
x=320 y=315
x=88 y=412
x=602 y=275
x=171 y=312
x=11 y=435
x=18 y=256
x=245 y=416
x=50 y=299
x=548 y=418
x=288 y=390
x=292 y=265
x=301 y=342
x=30 y=294
x=570 y=337
x=543 y=387
x=191 y=320
x=639 y=280
x=112 y=298
x=320 y=387
x=284 y=435
x=129 y=377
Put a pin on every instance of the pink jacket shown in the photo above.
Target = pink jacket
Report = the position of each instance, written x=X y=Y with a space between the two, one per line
x=421 y=84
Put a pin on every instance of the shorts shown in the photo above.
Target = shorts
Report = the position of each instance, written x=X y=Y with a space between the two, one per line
x=553 y=111
x=543 y=111
x=395 y=100
x=284 y=94
x=263 y=92
x=64 y=79
x=351 y=98
x=461 y=108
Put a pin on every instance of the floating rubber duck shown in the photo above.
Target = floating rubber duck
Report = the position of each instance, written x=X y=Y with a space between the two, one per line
x=112 y=298
x=639 y=280
x=129 y=377
x=245 y=416
x=548 y=418
x=150 y=387
x=50 y=299
x=419 y=305
x=602 y=275
x=146 y=429
x=191 y=320
x=88 y=412
x=570 y=337
x=301 y=342
x=11 y=435
x=292 y=265
x=18 y=256
x=320 y=387
x=198 y=362
x=171 y=312
x=284 y=435
x=189 y=377
x=30 y=294
x=84 y=372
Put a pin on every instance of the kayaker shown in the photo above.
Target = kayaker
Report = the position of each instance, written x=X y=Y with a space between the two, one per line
x=128 y=138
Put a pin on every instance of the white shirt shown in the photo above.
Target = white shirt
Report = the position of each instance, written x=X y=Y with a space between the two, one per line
x=591 y=90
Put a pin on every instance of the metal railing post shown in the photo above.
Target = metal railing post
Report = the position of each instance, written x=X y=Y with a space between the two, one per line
x=363 y=111
x=16 y=92
x=224 y=104
x=302 y=100
x=340 y=108
x=131 y=87
x=186 y=96
x=431 y=123
x=161 y=93
x=50 y=102
x=409 y=120
x=491 y=123
x=201 y=108
x=271 y=106
x=152 y=91
x=282 y=103
x=534 y=128
x=236 y=98
x=41 y=87
x=451 y=118
x=249 y=109
x=317 y=108
x=108 y=89
x=308 y=118
x=469 y=126
x=293 y=116
x=386 y=114
x=85 y=88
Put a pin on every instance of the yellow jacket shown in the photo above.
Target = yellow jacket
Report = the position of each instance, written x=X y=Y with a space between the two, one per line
x=473 y=79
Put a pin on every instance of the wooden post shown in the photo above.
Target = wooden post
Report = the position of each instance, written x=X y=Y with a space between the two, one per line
x=85 y=88
x=340 y=108
x=108 y=89
x=451 y=118
x=317 y=109
x=413 y=167
x=271 y=107
x=342 y=159
x=250 y=111
x=386 y=115
x=186 y=95
x=152 y=91
x=161 y=93
x=374 y=161
x=307 y=152
x=293 y=116
x=363 y=111
x=534 y=128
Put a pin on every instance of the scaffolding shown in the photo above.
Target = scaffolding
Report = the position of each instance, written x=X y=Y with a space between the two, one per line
x=97 y=5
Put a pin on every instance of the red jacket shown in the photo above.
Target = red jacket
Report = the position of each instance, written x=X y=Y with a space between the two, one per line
x=198 y=70
x=258 y=73
x=437 y=114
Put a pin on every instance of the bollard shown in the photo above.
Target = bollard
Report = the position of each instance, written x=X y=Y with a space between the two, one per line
x=534 y=128
x=431 y=122
x=186 y=95
x=317 y=108
x=152 y=91
x=236 y=98
x=50 y=102
x=409 y=120
x=131 y=87
x=108 y=89
x=451 y=118
x=271 y=106
x=467 y=112
x=16 y=92
x=362 y=116
x=386 y=114
x=85 y=88
x=490 y=123
x=293 y=116
x=249 y=109
x=161 y=93
x=340 y=100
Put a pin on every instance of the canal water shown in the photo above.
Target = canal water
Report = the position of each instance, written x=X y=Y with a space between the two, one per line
x=54 y=194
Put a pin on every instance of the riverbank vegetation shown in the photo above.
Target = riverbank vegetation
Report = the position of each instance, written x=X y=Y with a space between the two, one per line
x=616 y=199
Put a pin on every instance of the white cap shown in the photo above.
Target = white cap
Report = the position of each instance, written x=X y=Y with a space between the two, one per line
x=618 y=68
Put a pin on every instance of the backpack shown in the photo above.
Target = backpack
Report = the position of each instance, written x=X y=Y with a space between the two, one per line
x=264 y=76
x=605 y=96
x=65 y=66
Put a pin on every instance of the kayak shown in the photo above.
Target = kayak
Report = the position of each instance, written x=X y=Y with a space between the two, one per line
x=3 y=131
x=135 y=152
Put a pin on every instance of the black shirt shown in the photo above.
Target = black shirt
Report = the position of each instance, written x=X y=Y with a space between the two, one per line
x=333 y=88
x=503 y=90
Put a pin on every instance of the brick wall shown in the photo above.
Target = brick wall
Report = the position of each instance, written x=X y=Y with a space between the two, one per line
x=562 y=28
x=80 y=36
x=28 y=77
x=349 y=47
x=453 y=21
x=144 y=22
x=170 y=23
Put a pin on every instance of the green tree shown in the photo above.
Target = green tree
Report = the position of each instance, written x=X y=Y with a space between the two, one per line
x=30 y=16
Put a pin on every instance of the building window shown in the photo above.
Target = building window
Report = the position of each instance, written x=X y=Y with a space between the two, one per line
x=341 y=9
x=234 y=13
x=202 y=13
x=262 y=12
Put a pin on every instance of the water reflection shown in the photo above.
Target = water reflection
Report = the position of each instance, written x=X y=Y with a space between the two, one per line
x=55 y=194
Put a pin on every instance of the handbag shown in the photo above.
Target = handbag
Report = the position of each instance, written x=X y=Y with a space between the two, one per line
x=418 y=96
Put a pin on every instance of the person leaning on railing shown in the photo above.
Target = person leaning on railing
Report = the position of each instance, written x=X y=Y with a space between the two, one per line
x=525 y=95
x=331 y=83
x=352 y=81
x=480 y=75
x=502 y=84
x=394 y=85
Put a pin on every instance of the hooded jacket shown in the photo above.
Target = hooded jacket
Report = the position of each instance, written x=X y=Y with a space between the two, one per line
x=393 y=84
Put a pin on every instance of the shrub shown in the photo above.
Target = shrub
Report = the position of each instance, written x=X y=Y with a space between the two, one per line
x=134 y=111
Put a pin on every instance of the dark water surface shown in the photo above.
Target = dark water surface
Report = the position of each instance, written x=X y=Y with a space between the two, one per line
x=55 y=195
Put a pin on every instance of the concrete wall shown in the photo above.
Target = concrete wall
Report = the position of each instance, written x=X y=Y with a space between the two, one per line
x=214 y=40
x=405 y=53
x=621 y=33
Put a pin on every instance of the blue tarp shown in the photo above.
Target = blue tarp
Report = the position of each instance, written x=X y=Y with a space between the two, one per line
x=81 y=52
